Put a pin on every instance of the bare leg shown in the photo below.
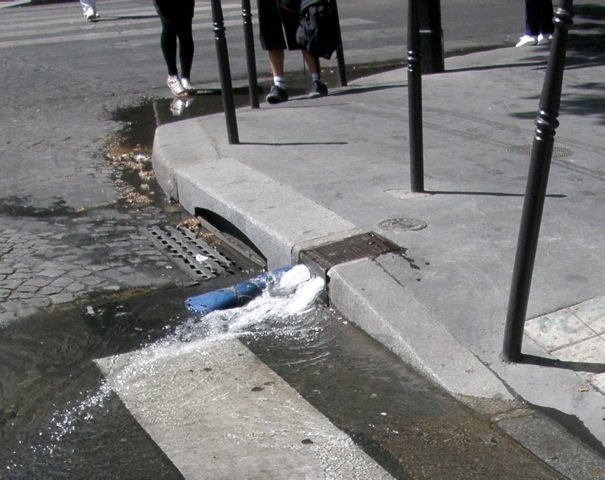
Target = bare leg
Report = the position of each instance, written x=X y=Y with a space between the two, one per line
x=312 y=63
x=276 y=60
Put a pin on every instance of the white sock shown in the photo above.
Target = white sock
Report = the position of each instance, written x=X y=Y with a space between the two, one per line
x=280 y=82
x=315 y=77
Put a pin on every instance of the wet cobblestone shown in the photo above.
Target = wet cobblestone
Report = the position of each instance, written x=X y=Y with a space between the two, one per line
x=50 y=262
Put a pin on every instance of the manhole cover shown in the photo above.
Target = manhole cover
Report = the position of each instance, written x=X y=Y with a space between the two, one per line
x=197 y=257
x=352 y=248
x=402 y=224
x=525 y=151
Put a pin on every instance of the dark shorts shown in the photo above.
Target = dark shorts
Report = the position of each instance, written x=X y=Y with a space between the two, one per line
x=277 y=25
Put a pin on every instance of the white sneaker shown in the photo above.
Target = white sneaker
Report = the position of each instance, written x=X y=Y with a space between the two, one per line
x=527 y=40
x=176 y=87
x=544 y=39
x=187 y=86
x=90 y=14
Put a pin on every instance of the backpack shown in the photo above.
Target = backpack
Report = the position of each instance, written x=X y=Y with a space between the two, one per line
x=318 y=29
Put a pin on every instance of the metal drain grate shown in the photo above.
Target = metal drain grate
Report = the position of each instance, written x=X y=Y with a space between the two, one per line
x=193 y=255
x=352 y=248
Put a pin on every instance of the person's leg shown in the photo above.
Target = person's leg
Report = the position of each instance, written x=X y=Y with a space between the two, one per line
x=86 y=4
x=318 y=87
x=169 y=45
x=312 y=62
x=547 y=27
x=272 y=40
x=276 y=62
x=89 y=8
x=186 y=47
x=278 y=92
x=532 y=17
x=532 y=24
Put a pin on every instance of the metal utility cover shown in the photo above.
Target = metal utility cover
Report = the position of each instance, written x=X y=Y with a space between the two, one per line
x=353 y=248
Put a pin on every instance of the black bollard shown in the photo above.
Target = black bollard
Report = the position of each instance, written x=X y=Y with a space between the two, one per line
x=431 y=36
x=218 y=26
x=415 y=100
x=250 y=56
x=342 y=69
x=537 y=180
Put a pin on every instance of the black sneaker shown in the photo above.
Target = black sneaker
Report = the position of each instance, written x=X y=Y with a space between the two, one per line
x=318 y=89
x=277 y=95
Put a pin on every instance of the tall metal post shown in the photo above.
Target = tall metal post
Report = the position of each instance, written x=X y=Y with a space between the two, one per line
x=218 y=26
x=415 y=100
x=250 y=56
x=537 y=180
x=342 y=69
x=431 y=36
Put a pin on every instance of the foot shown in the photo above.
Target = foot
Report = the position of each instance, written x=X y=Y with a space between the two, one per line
x=189 y=88
x=90 y=14
x=544 y=39
x=318 y=89
x=527 y=40
x=277 y=95
x=176 y=87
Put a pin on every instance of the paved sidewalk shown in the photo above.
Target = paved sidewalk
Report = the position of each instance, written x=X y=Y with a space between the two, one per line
x=311 y=172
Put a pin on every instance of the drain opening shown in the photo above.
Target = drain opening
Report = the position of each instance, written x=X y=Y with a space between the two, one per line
x=201 y=253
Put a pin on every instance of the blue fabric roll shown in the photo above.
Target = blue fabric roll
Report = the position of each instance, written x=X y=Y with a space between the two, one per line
x=235 y=296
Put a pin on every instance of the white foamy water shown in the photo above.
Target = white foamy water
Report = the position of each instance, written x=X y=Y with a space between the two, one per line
x=277 y=311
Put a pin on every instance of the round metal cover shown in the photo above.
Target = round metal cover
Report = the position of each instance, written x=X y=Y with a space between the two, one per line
x=402 y=224
x=525 y=151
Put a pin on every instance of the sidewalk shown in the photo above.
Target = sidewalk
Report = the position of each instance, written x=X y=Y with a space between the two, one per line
x=311 y=172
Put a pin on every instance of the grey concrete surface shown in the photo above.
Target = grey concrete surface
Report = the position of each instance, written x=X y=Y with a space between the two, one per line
x=348 y=153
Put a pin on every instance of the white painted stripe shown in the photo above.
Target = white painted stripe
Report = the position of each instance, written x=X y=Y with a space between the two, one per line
x=94 y=34
x=219 y=413
x=110 y=21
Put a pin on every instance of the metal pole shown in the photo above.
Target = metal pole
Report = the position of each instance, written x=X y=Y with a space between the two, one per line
x=342 y=69
x=415 y=100
x=250 y=57
x=431 y=36
x=537 y=180
x=218 y=26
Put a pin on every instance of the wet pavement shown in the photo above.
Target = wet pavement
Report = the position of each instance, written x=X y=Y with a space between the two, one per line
x=59 y=419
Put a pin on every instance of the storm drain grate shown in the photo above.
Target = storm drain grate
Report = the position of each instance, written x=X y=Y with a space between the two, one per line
x=366 y=245
x=192 y=254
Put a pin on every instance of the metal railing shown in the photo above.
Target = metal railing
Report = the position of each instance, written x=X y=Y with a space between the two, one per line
x=537 y=180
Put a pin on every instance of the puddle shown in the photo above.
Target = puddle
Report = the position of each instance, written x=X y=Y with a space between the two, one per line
x=140 y=120
x=19 y=207
x=59 y=419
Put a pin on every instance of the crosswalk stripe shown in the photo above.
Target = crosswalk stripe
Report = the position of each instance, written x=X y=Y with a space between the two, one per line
x=219 y=413
x=92 y=35
x=118 y=22
x=78 y=27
